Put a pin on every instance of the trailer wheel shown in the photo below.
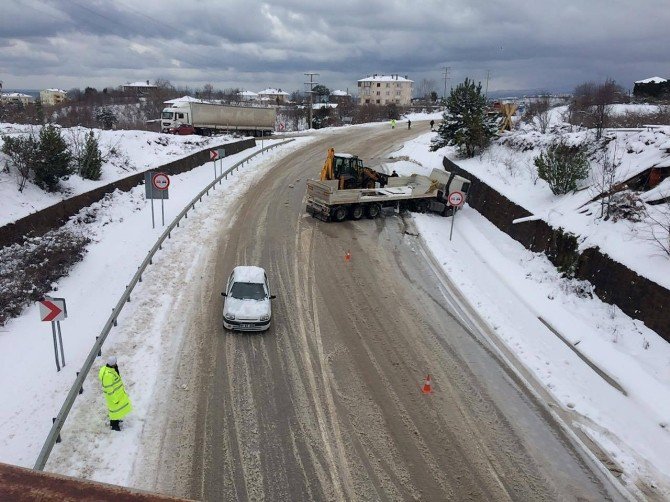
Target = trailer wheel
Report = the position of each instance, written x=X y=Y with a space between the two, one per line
x=373 y=210
x=357 y=212
x=421 y=206
x=340 y=213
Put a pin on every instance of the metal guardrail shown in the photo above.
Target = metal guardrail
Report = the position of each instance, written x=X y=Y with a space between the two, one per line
x=59 y=421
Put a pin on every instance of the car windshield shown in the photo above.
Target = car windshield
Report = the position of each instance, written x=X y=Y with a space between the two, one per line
x=167 y=115
x=248 y=291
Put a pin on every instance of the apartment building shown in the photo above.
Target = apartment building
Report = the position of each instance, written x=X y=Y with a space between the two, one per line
x=52 y=97
x=385 y=89
x=16 y=98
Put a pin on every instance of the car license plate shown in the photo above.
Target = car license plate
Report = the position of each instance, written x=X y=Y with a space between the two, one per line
x=246 y=325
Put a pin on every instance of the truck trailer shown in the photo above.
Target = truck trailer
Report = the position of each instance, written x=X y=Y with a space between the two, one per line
x=209 y=118
x=326 y=201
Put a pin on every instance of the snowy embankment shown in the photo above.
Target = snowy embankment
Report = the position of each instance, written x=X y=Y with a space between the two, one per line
x=124 y=153
x=515 y=290
x=150 y=326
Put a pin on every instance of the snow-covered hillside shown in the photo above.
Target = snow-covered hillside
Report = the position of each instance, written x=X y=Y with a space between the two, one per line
x=124 y=153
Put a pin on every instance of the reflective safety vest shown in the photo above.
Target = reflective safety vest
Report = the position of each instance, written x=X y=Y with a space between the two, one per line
x=118 y=402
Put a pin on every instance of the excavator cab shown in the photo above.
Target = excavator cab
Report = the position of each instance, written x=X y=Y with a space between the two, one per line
x=350 y=171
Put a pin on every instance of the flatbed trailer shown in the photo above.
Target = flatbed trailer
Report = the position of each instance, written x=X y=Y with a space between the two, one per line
x=414 y=193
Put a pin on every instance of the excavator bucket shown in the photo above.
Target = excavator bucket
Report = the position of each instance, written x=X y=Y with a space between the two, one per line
x=327 y=170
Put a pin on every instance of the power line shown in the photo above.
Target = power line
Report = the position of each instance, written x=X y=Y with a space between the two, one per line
x=446 y=77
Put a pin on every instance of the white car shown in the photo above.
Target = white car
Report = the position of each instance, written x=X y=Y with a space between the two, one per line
x=247 y=300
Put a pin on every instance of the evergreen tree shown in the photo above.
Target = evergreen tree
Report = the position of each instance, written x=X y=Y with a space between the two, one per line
x=90 y=164
x=39 y=111
x=562 y=166
x=106 y=117
x=54 y=158
x=465 y=123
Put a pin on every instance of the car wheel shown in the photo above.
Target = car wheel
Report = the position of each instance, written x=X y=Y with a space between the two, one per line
x=373 y=210
x=357 y=212
x=340 y=213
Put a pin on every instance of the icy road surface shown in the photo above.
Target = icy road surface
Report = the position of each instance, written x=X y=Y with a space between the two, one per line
x=326 y=405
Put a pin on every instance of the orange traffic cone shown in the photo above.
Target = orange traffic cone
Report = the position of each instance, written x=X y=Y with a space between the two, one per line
x=347 y=256
x=427 y=388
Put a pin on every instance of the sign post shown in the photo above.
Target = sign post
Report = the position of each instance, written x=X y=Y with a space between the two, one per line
x=149 y=193
x=221 y=154
x=161 y=182
x=53 y=310
x=213 y=156
x=456 y=200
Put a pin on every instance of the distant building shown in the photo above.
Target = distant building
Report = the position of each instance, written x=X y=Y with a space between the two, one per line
x=247 y=95
x=340 y=97
x=385 y=89
x=141 y=87
x=654 y=87
x=273 y=95
x=17 y=98
x=52 y=97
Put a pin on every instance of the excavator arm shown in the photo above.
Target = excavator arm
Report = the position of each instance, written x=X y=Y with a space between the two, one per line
x=327 y=170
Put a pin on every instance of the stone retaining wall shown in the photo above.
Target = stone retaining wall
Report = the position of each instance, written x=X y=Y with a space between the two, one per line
x=613 y=282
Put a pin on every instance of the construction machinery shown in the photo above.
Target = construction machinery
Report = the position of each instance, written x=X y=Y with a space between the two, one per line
x=350 y=172
x=328 y=199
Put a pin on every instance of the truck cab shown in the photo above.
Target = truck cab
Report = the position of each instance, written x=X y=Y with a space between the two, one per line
x=174 y=116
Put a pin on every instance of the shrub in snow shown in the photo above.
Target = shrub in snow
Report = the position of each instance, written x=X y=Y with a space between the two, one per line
x=562 y=166
x=626 y=206
x=466 y=124
x=28 y=270
x=90 y=163
x=54 y=158
x=23 y=153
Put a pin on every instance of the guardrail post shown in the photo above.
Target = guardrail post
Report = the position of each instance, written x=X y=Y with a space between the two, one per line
x=81 y=389
x=100 y=349
x=53 y=421
x=115 y=321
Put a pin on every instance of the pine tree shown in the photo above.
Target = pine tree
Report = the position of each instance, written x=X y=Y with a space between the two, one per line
x=54 y=158
x=90 y=164
x=106 y=117
x=465 y=123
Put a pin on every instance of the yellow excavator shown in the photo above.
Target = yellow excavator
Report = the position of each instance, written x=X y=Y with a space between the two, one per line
x=350 y=172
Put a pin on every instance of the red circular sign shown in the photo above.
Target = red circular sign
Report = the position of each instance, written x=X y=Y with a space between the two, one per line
x=456 y=198
x=160 y=181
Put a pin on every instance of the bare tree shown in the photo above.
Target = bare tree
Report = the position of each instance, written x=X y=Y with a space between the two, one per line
x=659 y=227
x=425 y=88
x=604 y=180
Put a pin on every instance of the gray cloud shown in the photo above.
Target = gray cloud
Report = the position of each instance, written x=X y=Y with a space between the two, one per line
x=251 y=44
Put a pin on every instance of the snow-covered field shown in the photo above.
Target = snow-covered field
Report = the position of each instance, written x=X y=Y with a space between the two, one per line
x=511 y=287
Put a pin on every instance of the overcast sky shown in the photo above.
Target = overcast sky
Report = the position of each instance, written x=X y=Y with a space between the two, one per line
x=524 y=44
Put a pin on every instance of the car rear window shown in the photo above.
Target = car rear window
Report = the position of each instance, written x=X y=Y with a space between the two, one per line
x=247 y=291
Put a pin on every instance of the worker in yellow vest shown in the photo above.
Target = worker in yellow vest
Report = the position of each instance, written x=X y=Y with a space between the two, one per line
x=118 y=402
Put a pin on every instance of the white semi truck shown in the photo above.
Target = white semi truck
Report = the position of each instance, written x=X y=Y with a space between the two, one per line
x=209 y=118
x=326 y=201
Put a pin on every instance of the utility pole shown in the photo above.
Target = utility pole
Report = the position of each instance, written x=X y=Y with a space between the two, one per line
x=311 y=84
x=446 y=77
x=488 y=75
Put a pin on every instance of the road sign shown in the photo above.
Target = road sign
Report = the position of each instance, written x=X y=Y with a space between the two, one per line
x=221 y=152
x=52 y=309
x=456 y=198
x=160 y=181
x=213 y=154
